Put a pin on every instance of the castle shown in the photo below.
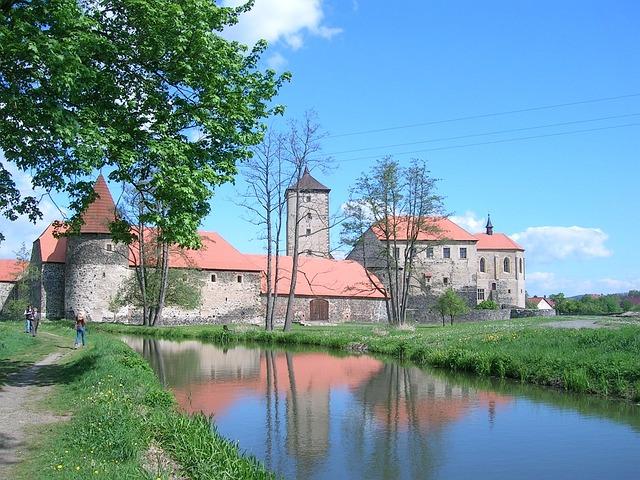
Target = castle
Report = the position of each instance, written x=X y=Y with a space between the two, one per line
x=85 y=271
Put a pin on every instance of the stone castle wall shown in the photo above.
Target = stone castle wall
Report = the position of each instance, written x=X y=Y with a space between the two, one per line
x=316 y=205
x=509 y=286
x=225 y=300
x=95 y=270
x=6 y=290
x=341 y=310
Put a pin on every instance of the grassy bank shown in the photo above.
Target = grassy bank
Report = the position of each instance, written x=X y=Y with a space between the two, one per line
x=603 y=361
x=118 y=409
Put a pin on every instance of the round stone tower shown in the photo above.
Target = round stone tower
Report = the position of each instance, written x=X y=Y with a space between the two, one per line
x=313 y=217
x=95 y=266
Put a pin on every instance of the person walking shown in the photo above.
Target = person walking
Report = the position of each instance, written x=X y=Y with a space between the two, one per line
x=28 y=316
x=35 y=322
x=80 y=329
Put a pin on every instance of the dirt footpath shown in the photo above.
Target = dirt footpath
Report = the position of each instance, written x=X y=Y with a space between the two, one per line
x=18 y=411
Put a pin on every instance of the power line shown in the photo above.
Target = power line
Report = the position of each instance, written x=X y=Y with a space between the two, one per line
x=486 y=115
x=495 y=132
x=506 y=140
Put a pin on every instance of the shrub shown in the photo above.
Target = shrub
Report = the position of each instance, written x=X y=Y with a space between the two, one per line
x=487 y=305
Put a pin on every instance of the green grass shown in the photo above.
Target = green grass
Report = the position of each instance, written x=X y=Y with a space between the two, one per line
x=19 y=350
x=604 y=361
x=117 y=407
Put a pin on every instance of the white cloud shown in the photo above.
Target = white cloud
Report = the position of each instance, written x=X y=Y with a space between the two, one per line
x=276 y=61
x=280 y=20
x=545 y=283
x=22 y=230
x=546 y=244
x=470 y=222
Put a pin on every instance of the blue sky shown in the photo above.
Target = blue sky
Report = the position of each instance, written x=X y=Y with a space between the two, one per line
x=571 y=200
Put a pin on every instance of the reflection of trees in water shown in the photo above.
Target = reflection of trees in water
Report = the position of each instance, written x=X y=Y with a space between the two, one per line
x=396 y=430
x=176 y=369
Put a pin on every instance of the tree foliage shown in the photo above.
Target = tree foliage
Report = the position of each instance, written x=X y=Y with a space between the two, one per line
x=146 y=88
x=587 y=304
x=451 y=304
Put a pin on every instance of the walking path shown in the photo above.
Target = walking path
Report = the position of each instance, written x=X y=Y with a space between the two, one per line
x=18 y=412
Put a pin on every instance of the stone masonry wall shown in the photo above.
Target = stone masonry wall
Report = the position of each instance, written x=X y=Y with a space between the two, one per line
x=225 y=300
x=95 y=270
x=51 y=290
x=362 y=310
x=509 y=286
x=315 y=204
x=531 y=312
x=6 y=289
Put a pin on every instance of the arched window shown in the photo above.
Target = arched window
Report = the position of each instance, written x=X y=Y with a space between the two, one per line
x=483 y=265
x=507 y=265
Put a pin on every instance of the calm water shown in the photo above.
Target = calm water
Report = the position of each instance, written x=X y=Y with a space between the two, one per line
x=315 y=415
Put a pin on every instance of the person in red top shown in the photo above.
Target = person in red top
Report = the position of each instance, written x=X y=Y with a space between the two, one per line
x=80 y=326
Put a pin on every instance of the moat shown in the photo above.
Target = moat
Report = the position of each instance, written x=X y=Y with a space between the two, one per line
x=318 y=415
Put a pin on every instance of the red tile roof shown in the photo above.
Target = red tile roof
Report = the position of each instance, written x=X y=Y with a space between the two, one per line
x=52 y=249
x=11 y=269
x=101 y=212
x=322 y=277
x=497 y=241
x=432 y=228
x=216 y=254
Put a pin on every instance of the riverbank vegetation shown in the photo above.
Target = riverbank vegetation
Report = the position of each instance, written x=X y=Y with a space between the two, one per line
x=122 y=423
x=598 y=361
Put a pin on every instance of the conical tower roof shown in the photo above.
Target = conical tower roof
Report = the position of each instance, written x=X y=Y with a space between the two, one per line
x=307 y=183
x=101 y=212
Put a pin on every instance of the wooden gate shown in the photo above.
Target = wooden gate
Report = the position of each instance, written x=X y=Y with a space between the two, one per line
x=319 y=309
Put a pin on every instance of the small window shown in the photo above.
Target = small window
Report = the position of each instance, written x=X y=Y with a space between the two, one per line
x=463 y=252
x=109 y=247
x=494 y=286
x=445 y=280
x=239 y=277
x=481 y=294
x=520 y=265
x=396 y=252
x=309 y=216
x=429 y=252
x=308 y=231
x=412 y=252
x=483 y=265
x=507 y=265
x=104 y=274
x=214 y=277
x=308 y=198
x=446 y=252
x=427 y=277
x=509 y=291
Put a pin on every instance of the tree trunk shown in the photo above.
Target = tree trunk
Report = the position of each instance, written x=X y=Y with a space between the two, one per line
x=294 y=267
x=164 y=280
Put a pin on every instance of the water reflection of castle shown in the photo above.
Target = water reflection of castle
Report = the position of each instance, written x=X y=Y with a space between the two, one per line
x=297 y=391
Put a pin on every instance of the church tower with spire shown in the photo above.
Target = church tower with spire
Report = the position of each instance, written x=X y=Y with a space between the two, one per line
x=313 y=217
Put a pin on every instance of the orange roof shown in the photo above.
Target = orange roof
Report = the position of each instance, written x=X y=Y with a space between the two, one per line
x=216 y=254
x=52 y=249
x=497 y=241
x=11 y=269
x=432 y=228
x=101 y=212
x=322 y=277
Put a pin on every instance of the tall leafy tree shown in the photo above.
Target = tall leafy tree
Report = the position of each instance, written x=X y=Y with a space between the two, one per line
x=147 y=88
x=389 y=209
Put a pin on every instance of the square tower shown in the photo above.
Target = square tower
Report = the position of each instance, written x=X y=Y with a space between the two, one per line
x=313 y=217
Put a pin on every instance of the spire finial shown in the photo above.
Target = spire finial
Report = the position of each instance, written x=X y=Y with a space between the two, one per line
x=489 y=225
